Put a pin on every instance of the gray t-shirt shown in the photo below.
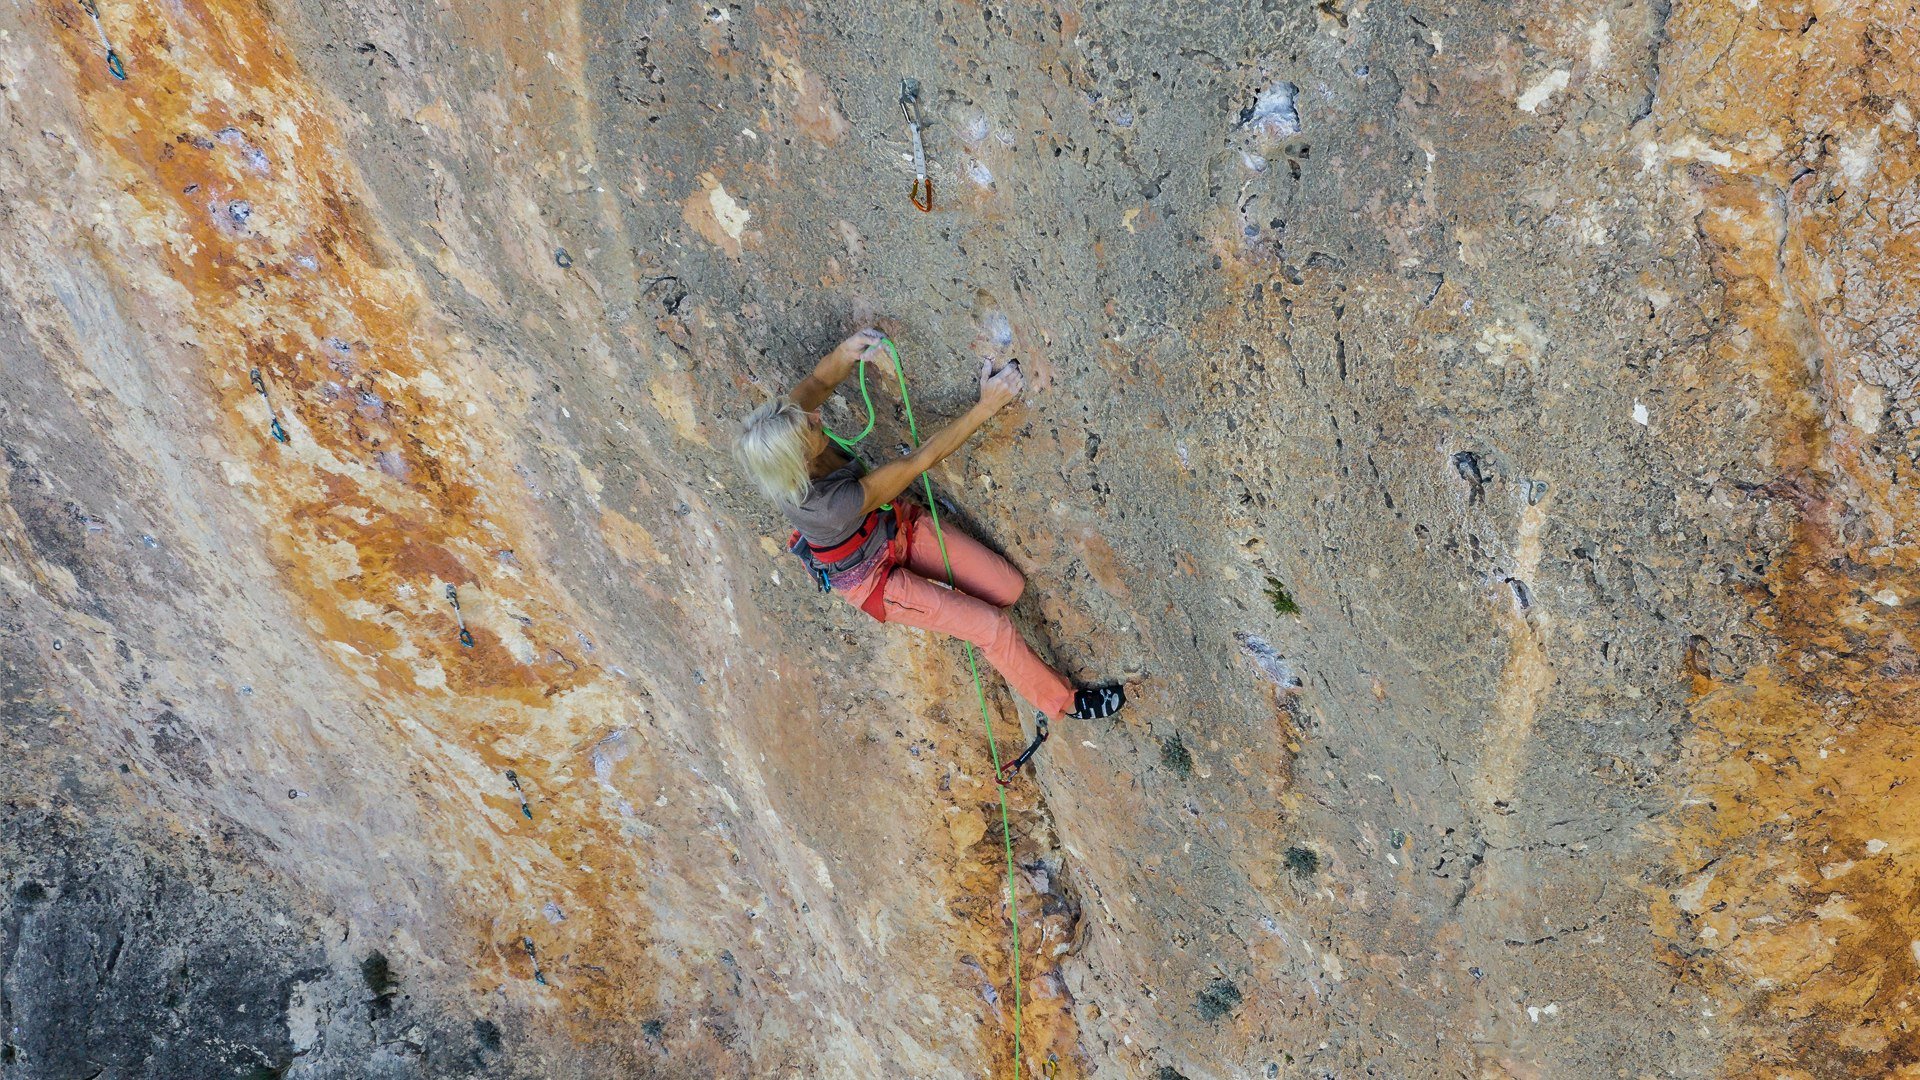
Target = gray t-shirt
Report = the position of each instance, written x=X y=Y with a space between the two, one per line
x=834 y=509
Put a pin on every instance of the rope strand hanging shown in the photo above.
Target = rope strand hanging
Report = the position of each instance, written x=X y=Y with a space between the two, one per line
x=973 y=666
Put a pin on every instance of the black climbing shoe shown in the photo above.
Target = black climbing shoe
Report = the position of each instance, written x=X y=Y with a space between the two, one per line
x=1098 y=703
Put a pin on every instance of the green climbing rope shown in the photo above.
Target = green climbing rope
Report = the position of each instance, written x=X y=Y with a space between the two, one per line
x=849 y=445
x=973 y=666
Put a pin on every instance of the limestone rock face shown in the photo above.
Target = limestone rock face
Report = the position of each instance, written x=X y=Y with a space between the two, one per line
x=1482 y=436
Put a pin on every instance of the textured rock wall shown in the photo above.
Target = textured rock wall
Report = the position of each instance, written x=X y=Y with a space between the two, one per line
x=1480 y=434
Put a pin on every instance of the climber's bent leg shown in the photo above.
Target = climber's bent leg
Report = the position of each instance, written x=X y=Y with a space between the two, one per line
x=976 y=568
x=916 y=601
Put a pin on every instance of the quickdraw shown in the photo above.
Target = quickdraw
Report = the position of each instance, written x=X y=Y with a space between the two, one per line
x=113 y=58
x=513 y=778
x=466 y=638
x=922 y=192
x=1011 y=769
x=538 y=975
x=260 y=383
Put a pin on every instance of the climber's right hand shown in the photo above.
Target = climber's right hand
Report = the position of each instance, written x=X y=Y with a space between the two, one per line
x=859 y=345
x=998 y=388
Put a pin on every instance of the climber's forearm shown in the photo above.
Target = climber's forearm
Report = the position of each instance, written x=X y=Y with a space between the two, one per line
x=832 y=370
x=884 y=484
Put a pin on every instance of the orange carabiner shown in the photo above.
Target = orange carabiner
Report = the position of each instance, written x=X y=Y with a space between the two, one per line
x=920 y=184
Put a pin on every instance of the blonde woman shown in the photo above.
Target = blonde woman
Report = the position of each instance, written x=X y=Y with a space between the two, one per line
x=887 y=562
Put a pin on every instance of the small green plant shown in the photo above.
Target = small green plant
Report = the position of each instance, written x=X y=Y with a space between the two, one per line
x=1303 y=861
x=378 y=973
x=1218 y=999
x=380 y=979
x=1282 y=599
x=1175 y=756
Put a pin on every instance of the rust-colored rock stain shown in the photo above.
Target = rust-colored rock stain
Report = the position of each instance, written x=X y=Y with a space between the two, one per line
x=978 y=939
x=392 y=486
x=225 y=202
x=1791 y=904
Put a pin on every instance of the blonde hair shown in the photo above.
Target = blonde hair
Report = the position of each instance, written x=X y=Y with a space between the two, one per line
x=774 y=450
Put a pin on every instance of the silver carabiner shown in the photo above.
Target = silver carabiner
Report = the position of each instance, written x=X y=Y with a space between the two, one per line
x=910 y=101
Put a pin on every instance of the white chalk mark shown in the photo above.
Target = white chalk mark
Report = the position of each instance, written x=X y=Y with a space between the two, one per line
x=1537 y=94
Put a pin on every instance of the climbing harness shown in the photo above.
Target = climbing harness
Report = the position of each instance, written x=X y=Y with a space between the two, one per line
x=973 y=661
x=832 y=565
x=113 y=58
x=514 y=779
x=922 y=193
x=453 y=597
x=273 y=425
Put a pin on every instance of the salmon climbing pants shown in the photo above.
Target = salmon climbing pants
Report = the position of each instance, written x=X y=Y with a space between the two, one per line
x=985 y=585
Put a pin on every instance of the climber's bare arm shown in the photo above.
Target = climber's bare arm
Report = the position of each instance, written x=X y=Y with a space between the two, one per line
x=997 y=389
x=832 y=370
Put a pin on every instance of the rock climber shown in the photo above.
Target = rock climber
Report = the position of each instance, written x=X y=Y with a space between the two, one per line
x=887 y=562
